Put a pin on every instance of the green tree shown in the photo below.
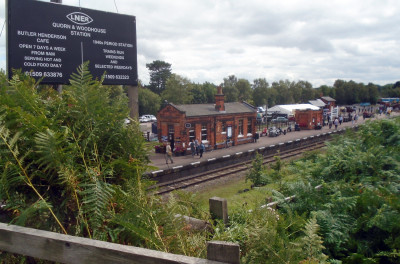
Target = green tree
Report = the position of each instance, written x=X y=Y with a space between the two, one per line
x=149 y=102
x=178 y=90
x=261 y=93
x=160 y=71
x=373 y=93
x=230 y=89
x=203 y=93
x=198 y=94
x=340 y=92
x=283 y=94
x=209 y=90
x=307 y=92
x=244 y=89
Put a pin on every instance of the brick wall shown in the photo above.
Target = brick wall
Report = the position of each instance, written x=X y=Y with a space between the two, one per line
x=185 y=127
x=307 y=119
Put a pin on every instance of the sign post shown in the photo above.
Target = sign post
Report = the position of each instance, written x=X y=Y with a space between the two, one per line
x=58 y=86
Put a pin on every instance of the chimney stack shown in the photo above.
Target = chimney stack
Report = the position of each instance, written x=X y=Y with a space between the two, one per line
x=219 y=100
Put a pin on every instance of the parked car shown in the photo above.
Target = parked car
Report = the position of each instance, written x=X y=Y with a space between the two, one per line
x=144 y=119
x=261 y=110
x=279 y=119
x=152 y=118
x=147 y=118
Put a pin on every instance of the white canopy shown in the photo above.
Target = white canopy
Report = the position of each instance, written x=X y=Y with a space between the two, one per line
x=291 y=109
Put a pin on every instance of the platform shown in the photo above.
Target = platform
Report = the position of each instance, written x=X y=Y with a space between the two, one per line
x=158 y=159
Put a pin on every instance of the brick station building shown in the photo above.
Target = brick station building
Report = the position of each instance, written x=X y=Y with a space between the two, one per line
x=309 y=118
x=213 y=124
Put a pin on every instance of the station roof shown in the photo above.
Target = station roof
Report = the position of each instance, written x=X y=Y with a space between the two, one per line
x=317 y=102
x=193 y=110
x=328 y=99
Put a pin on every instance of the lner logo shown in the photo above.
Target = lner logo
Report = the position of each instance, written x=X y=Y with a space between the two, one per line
x=80 y=18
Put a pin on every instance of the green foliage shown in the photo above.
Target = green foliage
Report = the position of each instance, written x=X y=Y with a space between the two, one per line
x=69 y=163
x=264 y=236
x=358 y=202
x=160 y=72
x=203 y=93
x=257 y=172
x=149 y=102
x=260 y=175
x=312 y=242
x=177 y=90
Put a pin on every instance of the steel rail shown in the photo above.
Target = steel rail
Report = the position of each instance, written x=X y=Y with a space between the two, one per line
x=196 y=179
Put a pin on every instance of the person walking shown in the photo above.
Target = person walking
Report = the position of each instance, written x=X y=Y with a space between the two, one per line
x=168 y=153
x=192 y=148
x=202 y=149
x=196 y=145
x=336 y=123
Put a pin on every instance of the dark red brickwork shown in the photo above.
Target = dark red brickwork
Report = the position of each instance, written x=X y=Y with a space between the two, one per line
x=211 y=129
x=307 y=119
x=210 y=125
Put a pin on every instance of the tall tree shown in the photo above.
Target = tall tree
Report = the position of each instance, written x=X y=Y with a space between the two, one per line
x=340 y=93
x=261 y=93
x=307 y=92
x=230 y=90
x=209 y=90
x=149 y=102
x=178 y=90
x=244 y=89
x=160 y=71
x=198 y=95
x=373 y=93
x=283 y=94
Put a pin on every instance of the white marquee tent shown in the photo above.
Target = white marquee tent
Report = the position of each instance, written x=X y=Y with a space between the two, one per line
x=290 y=109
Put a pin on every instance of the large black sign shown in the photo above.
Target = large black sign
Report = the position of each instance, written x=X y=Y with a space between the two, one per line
x=51 y=40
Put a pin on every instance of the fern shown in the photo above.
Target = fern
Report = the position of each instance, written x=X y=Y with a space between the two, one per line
x=312 y=242
x=10 y=144
x=96 y=197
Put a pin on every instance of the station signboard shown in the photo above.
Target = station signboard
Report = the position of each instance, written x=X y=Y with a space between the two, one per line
x=50 y=41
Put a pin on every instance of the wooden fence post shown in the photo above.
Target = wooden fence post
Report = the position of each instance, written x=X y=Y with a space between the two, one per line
x=219 y=209
x=226 y=252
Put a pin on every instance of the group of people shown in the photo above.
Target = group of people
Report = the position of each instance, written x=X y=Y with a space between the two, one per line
x=195 y=147
x=339 y=120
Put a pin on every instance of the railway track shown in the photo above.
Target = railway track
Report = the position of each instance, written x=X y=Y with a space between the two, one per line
x=211 y=175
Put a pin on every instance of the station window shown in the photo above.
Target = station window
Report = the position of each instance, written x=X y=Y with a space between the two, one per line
x=171 y=130
x=203 y=132
x=249 y=131
x=241 y=127
x=223 y=127
x=192 y=134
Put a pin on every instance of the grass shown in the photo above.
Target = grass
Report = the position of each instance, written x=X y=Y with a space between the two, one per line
x=236 y=200
x=239 y=200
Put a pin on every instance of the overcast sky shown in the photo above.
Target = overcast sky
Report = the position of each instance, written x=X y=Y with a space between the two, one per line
x=313 y=40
